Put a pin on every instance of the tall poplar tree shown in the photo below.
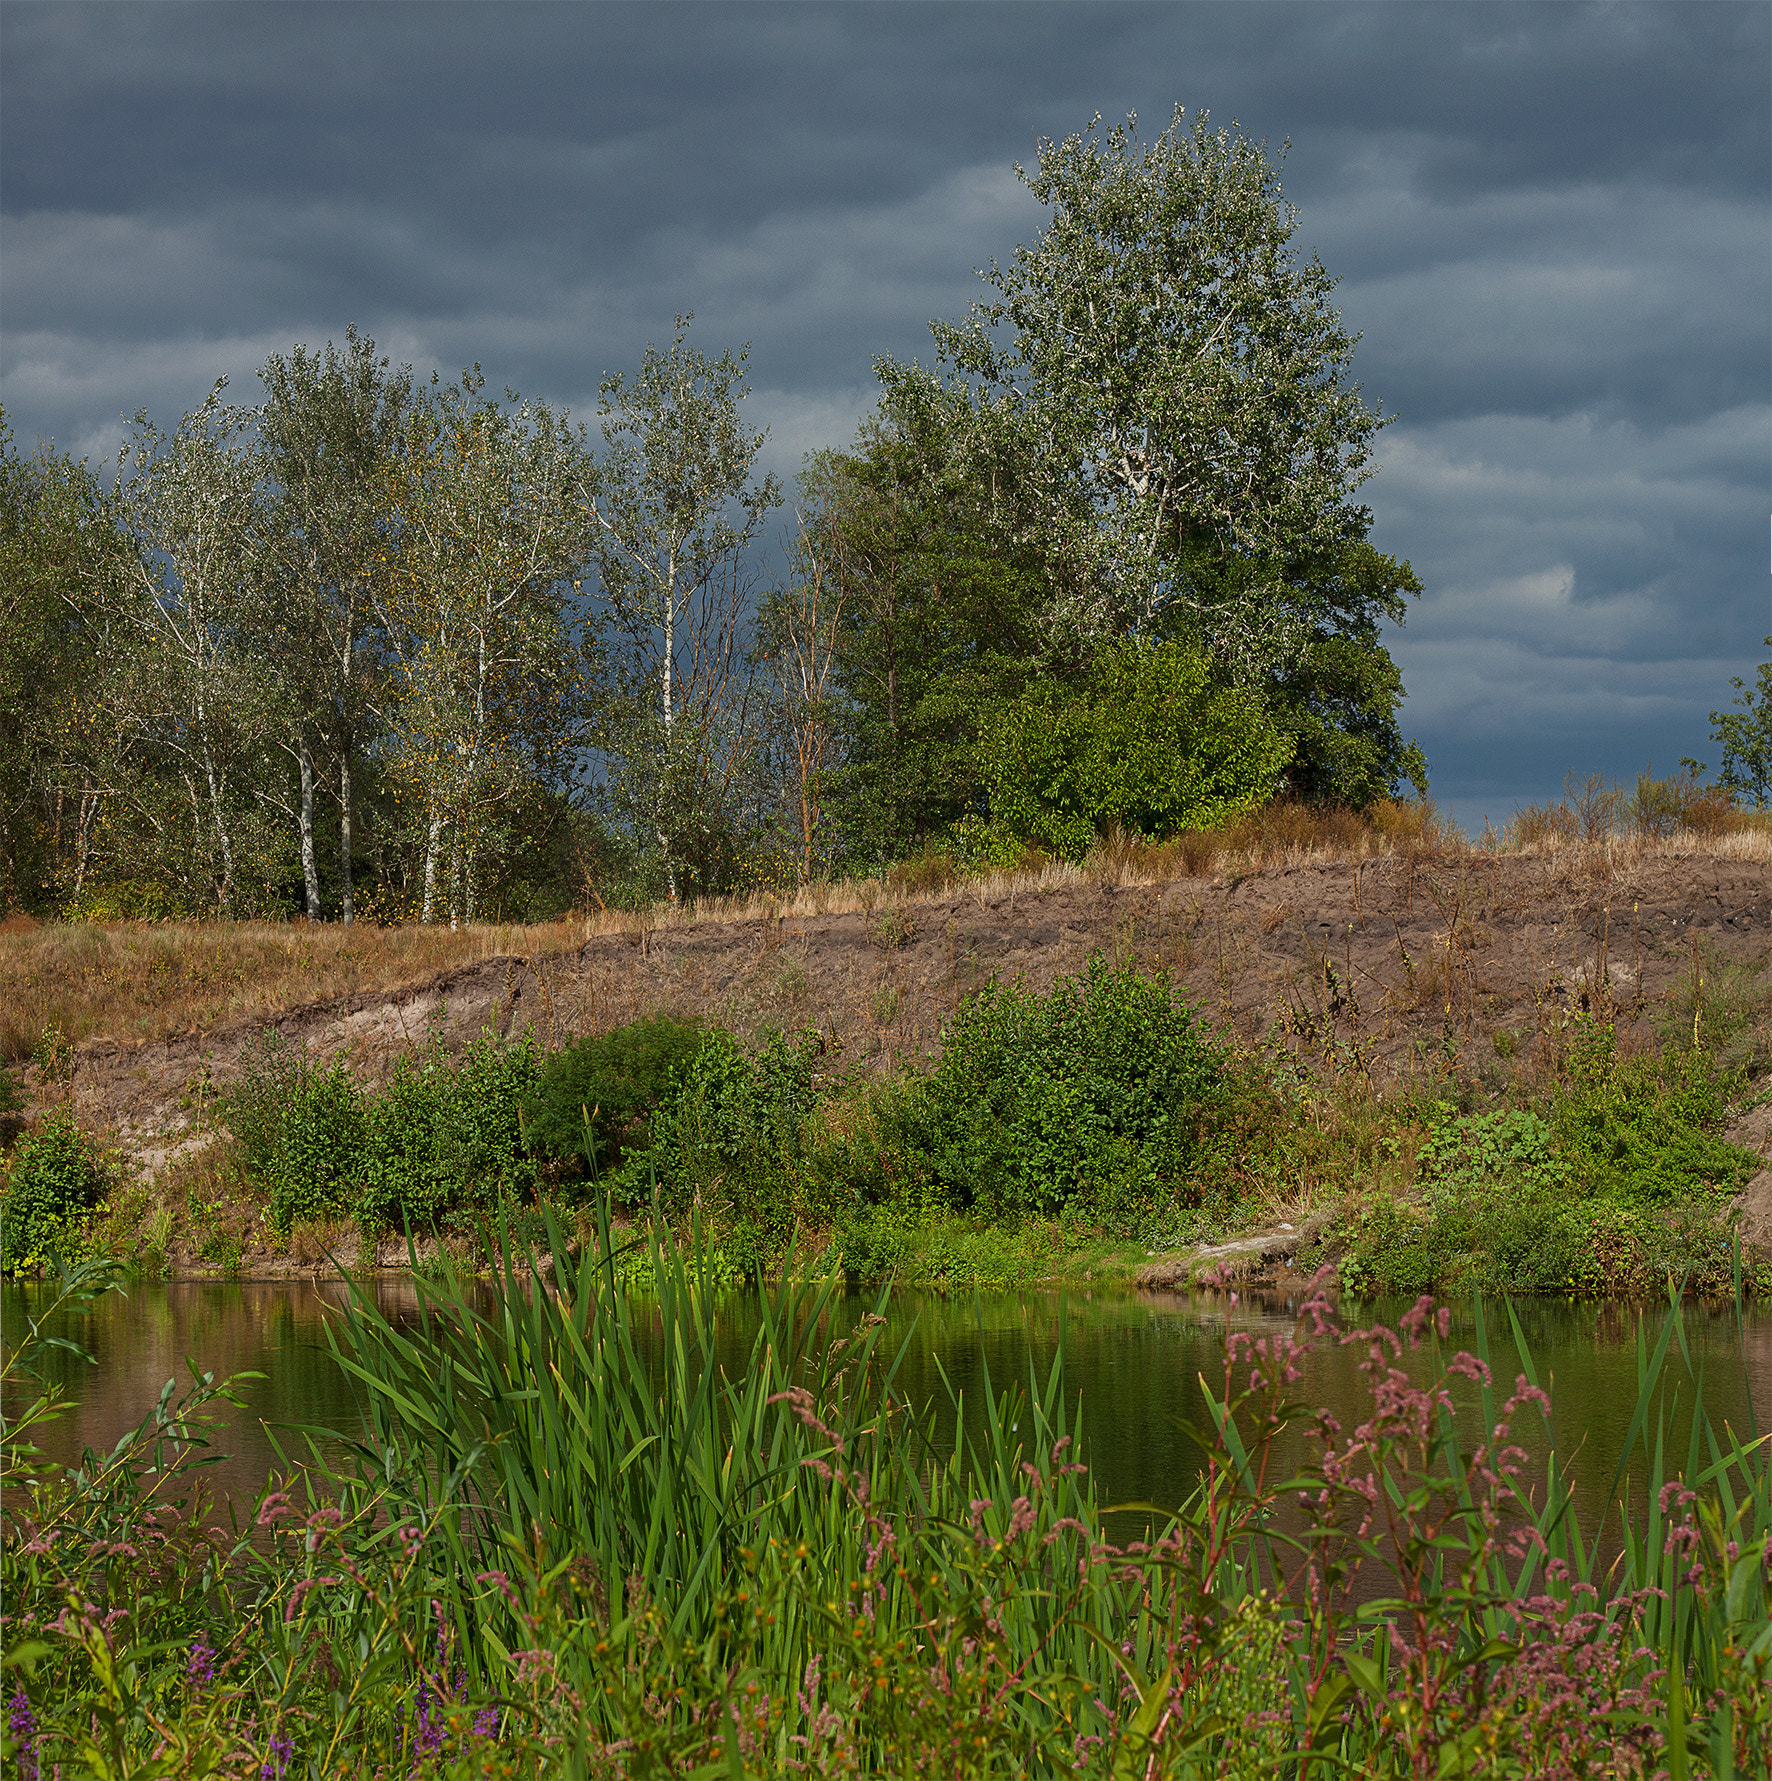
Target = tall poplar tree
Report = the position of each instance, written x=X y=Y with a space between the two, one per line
x=677 y=509
x=326 y=430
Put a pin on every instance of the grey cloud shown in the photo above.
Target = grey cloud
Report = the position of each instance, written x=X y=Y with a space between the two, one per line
x=1551 y=224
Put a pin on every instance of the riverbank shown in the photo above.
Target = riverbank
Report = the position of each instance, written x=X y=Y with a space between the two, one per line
x=493 y=1578
x=1533 y=1071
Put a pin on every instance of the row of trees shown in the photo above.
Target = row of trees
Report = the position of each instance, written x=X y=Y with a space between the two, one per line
x=377 y=644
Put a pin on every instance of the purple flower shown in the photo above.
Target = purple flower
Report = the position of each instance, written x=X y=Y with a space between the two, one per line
x=486 y=1723
x=430 y=1728
x=281 y=1751
x=22 y=1723
x=200 y=1669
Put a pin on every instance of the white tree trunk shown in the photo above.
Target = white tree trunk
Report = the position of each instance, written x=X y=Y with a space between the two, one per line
x=431 y=840
x=310 y=871
x=344 y=830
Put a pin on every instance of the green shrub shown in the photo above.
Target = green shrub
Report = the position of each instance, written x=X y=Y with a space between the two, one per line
x=1105 y=1086
x=592 y=1101
x=443 y=1137
x=1477 y=1149
x=55 y=1181
x=300 y=1129
x=318 y=1146
x=1154 y=747
x=1646 y=1130
x=446 y=1135
x=731 y=1135
x=1623 y=1185
x=271 y=1075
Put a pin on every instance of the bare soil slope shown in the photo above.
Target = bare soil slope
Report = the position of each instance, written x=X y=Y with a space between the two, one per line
x=1385 y=965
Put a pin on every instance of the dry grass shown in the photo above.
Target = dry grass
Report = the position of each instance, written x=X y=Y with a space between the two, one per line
x=130 y=981
x=1681 y=813
x=140 y=980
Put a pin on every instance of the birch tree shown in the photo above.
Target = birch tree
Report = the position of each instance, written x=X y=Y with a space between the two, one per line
x=325 y=433
x=191 y=703
x=480 y=608
x=60 y=552
x=676 y=510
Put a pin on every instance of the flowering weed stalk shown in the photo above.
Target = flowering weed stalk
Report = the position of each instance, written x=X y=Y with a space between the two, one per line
x=547 y=1556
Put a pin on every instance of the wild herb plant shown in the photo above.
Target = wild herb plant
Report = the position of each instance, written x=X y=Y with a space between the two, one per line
x=55 y=1179
x=571 y=1542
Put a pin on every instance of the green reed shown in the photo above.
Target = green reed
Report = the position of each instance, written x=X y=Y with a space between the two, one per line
x=577 y=1535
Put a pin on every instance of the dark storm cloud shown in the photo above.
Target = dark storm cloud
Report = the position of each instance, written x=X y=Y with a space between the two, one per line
x=1550 y=222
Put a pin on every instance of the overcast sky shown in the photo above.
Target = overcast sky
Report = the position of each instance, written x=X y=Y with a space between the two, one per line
x=1550 y=221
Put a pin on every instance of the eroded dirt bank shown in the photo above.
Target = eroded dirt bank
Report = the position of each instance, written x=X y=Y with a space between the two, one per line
x=1382 y=965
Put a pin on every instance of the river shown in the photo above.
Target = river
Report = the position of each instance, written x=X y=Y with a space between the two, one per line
x=1135 y=1360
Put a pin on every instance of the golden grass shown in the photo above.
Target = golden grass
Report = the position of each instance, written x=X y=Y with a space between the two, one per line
x=142 y=980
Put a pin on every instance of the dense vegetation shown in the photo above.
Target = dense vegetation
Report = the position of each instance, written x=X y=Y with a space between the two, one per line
x=377 y=646
x=569 y=1540
x=1102 y=1117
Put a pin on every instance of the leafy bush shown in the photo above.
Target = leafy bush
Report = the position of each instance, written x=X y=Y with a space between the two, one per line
x=317 y=1146
x=1659 y=808
x=55 y=1181
x=446 y=1135
x=299 y=1129
x=1154 y=747
x=731 y=1135
x=128 y=899
x=592 y=1101
x=1646 y=1130
x=270 y=1074
x=1105 y=1085
x=1625 y=1183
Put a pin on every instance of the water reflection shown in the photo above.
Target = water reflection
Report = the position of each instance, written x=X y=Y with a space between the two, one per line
x=1135 y=1360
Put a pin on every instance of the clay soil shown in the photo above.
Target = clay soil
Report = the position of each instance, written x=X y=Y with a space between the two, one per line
x=1399 y=964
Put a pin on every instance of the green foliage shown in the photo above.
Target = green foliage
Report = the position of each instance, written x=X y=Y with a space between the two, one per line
x=1337 y=693
x=442 y=1138
x=318 y=1147
x=1480 y=1148
x=592 y=1099
x=1621 y=1184
x=943 y=592
x=1173 y=366
x=1746 y=738
x=1154 y=747
x=269 y=1076
x=1107 y=1085
x=1646 y=1130
x=128 y=899
x=55 y=1180
x=445 y=1135
x=731 y=1138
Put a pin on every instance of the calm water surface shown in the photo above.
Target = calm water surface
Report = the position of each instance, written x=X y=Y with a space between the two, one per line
x=1135 y=1361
